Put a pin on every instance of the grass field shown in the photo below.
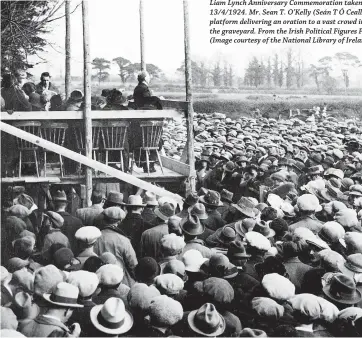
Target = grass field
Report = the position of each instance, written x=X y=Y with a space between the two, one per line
x=243 y=103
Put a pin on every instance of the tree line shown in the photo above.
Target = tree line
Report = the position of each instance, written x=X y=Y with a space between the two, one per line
x=290 y=71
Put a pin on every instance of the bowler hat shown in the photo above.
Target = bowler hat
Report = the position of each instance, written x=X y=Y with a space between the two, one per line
x=342 y=289
x=191 y=225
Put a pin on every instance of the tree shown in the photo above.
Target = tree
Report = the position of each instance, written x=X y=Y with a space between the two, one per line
x=289 y=70
x=101 y=64
x=123 y=68
x=276 y=70
x=281 y=75
x=299 y=71
x=23 y=24
x=225 y=75
x=216 y=74
x=347 y=62
x=320 y=71
x=269 y=73
x=231 y=76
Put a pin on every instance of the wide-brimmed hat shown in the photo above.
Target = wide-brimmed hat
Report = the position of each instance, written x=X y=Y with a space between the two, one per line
x=135 y=201
x=222 y=237
x=191 y=199
x=245 y=206
x=220 y=266
x=237 y=250
x=263 y=228
x=206 y=321
x=165 y=211
x=23 y=306
x=150 y=199
x=191 y=225
x=115 y=197
x=65 y=295
x=226 y=195
x=111 y=317
x=244 y=226
x=211 y=199
x=198 y=210
x=342 y=289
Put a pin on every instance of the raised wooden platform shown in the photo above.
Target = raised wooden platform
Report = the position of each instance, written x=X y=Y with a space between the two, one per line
x=173 y=171
x=95 y=115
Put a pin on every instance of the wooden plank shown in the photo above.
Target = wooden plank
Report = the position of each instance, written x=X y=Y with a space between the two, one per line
x=7 y=128
x=142 y=36
x=68 y=52
x=87 y=101
x=176 y=166
x=190 y=109
x=30 y=179
x=95 y=115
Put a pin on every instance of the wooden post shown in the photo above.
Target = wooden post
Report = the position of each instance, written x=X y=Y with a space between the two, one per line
x=190 y=109
x=142 y=36
x=67 y=49
x=87 y=100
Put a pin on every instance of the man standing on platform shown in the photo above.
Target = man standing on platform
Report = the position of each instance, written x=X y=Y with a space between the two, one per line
x=143 y=100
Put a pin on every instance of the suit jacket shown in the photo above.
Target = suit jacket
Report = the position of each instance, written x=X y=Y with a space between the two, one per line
x=15 y=99
x=296 y=271
x=199 y=245
x=132 y=227
x=214 y=221
x=87 y=215
x=143 y=98
x=120 y=246
x=250 y=266
x=150 y=245
x=54 y=236
x=70 y=227
x=149 y=217
x=216 y=181
x=42 y=327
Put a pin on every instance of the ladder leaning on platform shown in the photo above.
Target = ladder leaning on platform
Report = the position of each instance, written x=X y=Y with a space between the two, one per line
x=7 y=128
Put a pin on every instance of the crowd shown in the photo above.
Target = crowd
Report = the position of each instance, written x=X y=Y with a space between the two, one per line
x=270 y=244
x=18 y=94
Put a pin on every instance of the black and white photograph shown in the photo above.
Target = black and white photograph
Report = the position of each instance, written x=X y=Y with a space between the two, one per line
x=181 y=168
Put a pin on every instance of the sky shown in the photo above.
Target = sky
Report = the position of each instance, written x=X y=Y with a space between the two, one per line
x=114 y=31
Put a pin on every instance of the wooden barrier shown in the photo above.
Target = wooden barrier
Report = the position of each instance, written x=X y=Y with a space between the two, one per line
x=95 y=115
x=88 y=162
